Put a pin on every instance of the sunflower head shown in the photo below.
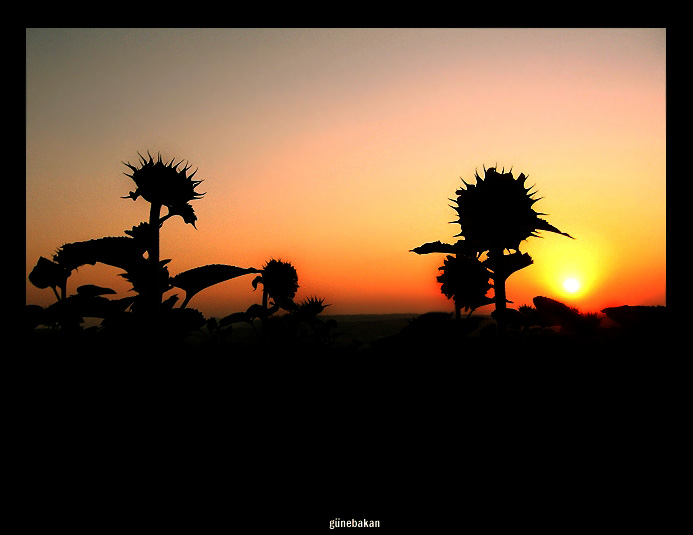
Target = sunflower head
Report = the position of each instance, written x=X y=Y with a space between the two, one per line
x=164 y=183
x=312 y=306
x=465 y=280
x=497 y=212
x=280 y=280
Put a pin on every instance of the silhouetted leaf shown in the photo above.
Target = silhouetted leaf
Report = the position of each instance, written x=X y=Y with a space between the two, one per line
x=285 y=303
x=169 y=302
x=185 y=211
x=75 y=308
x=545 y=225
x=197 y=279
x=141 y=232
x=434 y=247
x=516 y=261
x=90 y=290
x=120 y=305
x=48 y=274
x=511 y=263
x=119 y=252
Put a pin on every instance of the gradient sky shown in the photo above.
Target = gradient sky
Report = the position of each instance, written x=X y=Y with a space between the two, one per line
x=338 y=149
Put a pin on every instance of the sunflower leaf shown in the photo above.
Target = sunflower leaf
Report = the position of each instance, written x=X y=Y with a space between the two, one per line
x=434 y=247
x=510 y=264
x=91 y=290
x=541 y=224
x=114 y=251
x=197 y=279
x=47 y=273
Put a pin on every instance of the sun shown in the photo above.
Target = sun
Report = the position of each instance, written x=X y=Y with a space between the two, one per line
x=571 y=285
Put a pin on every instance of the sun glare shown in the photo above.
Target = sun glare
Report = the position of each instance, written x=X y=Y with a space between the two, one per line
x=571 y=285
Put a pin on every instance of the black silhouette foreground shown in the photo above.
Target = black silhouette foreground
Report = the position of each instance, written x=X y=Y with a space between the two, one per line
x=148 y=322
x=116 y=415
x=495 y=215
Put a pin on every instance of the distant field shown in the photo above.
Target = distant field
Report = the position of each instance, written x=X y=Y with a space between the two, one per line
x=361 y=329
x=367 y=328
x=352 y=330
x=399 y=334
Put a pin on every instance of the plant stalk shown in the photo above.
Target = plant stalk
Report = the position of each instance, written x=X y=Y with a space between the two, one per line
x=498 y=263
x=154 y=213
x=265 y=297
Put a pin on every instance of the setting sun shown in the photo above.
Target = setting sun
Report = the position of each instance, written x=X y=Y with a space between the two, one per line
x=571 y=285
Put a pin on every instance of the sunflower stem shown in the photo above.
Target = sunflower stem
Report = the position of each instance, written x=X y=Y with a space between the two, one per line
x=154 y=212
x=497 y=259
x=265 y=296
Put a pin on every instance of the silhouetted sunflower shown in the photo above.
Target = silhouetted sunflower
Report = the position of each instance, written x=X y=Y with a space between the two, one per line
x=280 y=282
x=497 y=213
x=465 y=280
x=311 y=307
x=165 y=185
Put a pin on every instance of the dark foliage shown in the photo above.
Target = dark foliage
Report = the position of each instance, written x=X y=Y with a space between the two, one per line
x=146 y=319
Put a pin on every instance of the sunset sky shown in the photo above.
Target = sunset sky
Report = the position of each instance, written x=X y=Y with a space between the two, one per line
x=338 y=150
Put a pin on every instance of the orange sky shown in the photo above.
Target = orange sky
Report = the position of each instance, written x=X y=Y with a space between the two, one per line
x=337 y=150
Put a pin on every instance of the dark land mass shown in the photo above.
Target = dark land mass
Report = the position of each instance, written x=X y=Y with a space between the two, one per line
x=421 y=422
x=377 y=339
